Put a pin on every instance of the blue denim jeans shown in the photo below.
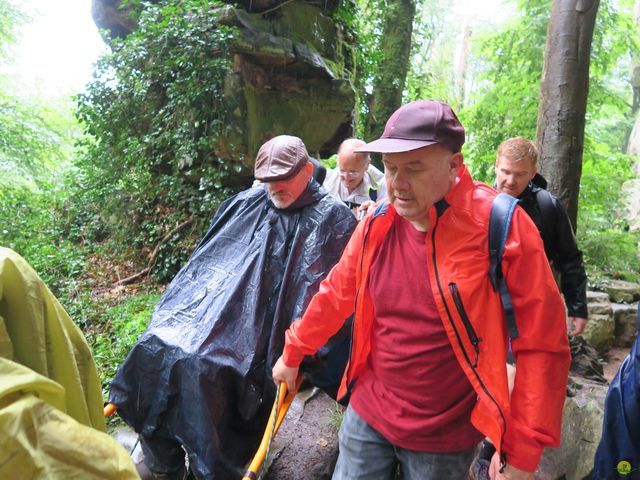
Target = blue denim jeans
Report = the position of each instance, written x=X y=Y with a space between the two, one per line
x=365 y=454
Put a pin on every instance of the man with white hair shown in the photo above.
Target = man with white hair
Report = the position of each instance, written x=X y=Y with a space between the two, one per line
x=356 y=182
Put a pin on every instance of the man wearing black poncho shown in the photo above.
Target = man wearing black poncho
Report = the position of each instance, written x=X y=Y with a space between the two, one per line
x=200 y=375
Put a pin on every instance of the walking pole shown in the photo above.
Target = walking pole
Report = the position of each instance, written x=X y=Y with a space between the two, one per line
x=279 y=410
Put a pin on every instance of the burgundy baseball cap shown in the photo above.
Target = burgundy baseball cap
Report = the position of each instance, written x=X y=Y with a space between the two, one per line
x=280 y=158
x=418 y=124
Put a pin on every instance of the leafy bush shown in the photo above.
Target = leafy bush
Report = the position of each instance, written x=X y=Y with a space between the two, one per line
x=115 y=329
x=610 y=250
x=31 y=225
x=611 y=253
x=153 y=115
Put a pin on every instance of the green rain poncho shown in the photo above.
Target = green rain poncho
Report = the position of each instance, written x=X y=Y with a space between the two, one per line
x=51 y=421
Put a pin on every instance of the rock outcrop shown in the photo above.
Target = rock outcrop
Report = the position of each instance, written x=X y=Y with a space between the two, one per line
x=112 y=18
x=292 y=73
x=610 y=324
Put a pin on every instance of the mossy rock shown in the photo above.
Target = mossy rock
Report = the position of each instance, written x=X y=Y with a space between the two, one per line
x=621 y=291
x=599 y=331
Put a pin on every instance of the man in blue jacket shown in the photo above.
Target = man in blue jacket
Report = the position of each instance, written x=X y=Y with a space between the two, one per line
x=618 y=455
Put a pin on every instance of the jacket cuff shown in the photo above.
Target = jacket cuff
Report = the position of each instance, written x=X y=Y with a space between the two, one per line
x=526 y=458
x=580 y=312
x=521 y=449
x=291 y=355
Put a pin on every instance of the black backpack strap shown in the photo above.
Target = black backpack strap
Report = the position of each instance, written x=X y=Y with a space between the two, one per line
x=499 y=224
x=547 y=212
x=373 y=194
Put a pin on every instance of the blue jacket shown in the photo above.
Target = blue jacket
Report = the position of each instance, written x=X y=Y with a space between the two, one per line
x=618 y=455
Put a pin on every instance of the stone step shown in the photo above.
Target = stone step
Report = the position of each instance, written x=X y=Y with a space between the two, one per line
x=599 y=308
x=621 y=291
x=597 y=297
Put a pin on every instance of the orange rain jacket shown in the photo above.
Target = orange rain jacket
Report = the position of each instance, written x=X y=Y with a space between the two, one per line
x=471 y=313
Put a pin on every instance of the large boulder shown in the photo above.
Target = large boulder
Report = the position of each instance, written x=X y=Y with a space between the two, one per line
x=291 y=75
x=118 y=18
x=581 y=431
x=626 y=324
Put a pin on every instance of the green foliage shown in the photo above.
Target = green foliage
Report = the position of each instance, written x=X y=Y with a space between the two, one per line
x=30 y=225
x=368 y=23
x=610 y=250
x=331 y=162
x=156 y=110
x=115 y=329
x=434 y=42
x=32 y=139
x=611 y=253
x=506 y=70
x=505 y=101
x=11 y=16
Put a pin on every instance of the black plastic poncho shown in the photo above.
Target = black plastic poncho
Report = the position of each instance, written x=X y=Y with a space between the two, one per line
x=201 y=373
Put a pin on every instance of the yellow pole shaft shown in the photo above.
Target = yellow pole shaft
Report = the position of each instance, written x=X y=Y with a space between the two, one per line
x=281 y=406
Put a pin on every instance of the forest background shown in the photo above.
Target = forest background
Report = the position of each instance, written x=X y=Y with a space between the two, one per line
x=89 y=193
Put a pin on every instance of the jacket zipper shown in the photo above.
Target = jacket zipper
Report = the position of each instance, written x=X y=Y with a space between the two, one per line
x=471 y=333
x=355 y=305
x=450 y=318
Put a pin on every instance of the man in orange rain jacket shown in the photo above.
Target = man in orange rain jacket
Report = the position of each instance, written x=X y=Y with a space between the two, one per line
x=427 y=374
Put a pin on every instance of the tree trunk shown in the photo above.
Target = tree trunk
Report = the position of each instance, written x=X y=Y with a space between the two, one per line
x=395 y=45
x=563 y=98
x=461 y=68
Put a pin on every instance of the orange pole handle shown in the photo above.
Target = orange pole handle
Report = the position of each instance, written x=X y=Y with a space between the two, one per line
x=110 y=409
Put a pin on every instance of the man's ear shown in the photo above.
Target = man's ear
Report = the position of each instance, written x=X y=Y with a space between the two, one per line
x=534 y=170
x=455 y=161
x=309 y=168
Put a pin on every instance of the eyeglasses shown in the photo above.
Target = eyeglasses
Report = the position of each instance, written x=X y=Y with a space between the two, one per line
x=350 y=174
